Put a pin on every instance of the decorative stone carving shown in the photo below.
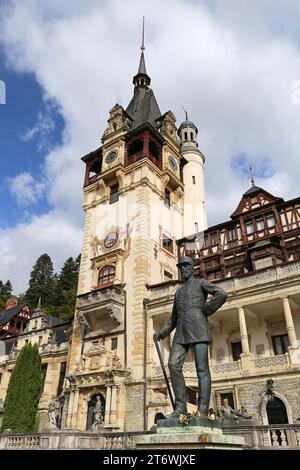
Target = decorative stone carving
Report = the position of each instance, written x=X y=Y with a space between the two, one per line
x=271 y=361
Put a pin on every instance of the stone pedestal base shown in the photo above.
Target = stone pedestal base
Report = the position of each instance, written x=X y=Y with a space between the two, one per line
x=200 y=433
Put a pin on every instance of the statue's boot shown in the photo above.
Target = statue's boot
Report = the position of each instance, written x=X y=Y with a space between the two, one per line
x=176 y=413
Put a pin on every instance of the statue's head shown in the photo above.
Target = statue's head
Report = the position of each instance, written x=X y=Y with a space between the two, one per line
x=186 y=267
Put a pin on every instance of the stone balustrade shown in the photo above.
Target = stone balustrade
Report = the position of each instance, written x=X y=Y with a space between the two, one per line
x=276 y=436
x=281 y=361
x=237 y=283
x=257 y=437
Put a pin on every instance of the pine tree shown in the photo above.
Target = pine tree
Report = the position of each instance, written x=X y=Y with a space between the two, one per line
x=41 y=283
x=23 y=393
x=68 y=277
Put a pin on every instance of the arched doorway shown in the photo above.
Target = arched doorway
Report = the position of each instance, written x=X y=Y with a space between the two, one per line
x=158 y=416
x=91 y=408
x=276 y=412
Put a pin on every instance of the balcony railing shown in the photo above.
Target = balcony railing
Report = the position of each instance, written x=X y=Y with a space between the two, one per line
x=237 y=283
x=266 y=363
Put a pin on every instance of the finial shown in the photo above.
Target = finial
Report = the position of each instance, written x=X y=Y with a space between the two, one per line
x=143 y=36
x=252 y=179
x=39 y=305
x=186 y=114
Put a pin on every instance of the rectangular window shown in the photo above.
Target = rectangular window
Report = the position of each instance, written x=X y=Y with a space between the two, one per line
x=114 y=344
x=214 y=240
x=196 y=227
x=167 y=276
x=254 y=200
x=236 y=350
x=62 y=374
x=114 y=194
x=167 y=199
x=194 y=179
x=249 y=227
x=260 y=223
x=270 y=220
x=44 y=372
x=232 y=235
x=168 y=243
x=280 y=344
x=40 y=340
x=228 y=397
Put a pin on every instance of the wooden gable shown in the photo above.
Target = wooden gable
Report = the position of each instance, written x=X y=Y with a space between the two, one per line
x=254 y=198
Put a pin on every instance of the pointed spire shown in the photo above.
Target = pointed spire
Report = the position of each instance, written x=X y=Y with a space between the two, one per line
x=251 y=174
x=141 y=79
x=39 y=305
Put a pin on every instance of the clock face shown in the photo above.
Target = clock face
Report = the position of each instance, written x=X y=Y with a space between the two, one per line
x=173 y=163
x=111 y=239
x=111 y=156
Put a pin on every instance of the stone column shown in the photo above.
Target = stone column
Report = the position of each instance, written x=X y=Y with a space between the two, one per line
x=113 y=408
x=246 y=355
x=150 y=347
x=294 y=350
x=289 y=322
x=243 y=331
x=107 y=406
x=70 y=410
x=75 y=408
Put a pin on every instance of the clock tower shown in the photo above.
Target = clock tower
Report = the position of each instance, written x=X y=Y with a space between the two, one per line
x=134 y=203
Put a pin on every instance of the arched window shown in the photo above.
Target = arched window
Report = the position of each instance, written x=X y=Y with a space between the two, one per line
x=106 y=274
x=276 y=412
x=158 y=417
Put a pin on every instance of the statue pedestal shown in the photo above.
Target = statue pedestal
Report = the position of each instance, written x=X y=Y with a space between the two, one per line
x=200 y=433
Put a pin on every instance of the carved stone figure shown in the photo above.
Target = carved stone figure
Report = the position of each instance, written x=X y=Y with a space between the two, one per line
x=189 y=317
x=52 y=413
x=97 y=415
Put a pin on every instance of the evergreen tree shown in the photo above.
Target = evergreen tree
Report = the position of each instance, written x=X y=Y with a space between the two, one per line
x=68 y=277
x=5 y=293
x=23 y=393
x=41 y=283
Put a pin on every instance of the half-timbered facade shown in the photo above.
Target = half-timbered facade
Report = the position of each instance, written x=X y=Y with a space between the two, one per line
x=256 y=334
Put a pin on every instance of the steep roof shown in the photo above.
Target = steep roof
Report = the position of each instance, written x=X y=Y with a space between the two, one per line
x=143 y=108
x=7 y=314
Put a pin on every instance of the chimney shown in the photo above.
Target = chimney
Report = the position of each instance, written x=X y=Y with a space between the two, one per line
x=11 y=303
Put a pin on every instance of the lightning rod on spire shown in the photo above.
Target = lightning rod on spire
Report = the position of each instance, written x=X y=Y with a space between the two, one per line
x=251 y=174
x=186 y=114
x=143 y=36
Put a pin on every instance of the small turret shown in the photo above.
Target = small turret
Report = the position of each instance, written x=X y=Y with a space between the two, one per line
x=195 y=219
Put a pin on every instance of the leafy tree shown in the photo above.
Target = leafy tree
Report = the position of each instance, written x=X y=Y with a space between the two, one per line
x=41 y=283
x=23 y=393
x=5 y=293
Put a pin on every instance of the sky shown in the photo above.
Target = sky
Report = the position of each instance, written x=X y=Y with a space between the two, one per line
x=233 y=64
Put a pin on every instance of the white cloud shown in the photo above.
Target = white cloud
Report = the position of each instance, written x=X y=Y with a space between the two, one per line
x=230 y=63
x=25 y=189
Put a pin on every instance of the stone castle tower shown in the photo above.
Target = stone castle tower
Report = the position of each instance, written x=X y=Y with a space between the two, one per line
x=143 y=190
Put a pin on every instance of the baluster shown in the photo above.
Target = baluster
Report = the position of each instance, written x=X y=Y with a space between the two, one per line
x=283 y=438
x=274 y=438
x=298 y=437
x=266 y=438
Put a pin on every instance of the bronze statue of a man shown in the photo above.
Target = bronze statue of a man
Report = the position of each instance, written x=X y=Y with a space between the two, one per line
x=189 y=317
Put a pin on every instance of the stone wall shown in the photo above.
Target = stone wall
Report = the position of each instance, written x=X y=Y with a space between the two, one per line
x=251 y=395
x=134 y=414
